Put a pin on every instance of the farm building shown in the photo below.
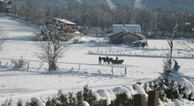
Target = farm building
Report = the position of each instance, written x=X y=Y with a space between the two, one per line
x=133 y=28
x=66 y=29
x=67 y=25
x=124 y=37
x=125 y=34
x=6 y=5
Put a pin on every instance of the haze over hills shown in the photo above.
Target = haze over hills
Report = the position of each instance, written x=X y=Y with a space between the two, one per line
x=169 y=5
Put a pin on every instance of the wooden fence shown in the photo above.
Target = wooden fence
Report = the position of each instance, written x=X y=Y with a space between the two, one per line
x=35 y=65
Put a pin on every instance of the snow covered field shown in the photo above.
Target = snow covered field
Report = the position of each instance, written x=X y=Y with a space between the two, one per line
x=77 y=67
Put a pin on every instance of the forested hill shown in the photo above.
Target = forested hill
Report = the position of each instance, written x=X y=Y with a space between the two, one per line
x=172 y=5
x=169 y=5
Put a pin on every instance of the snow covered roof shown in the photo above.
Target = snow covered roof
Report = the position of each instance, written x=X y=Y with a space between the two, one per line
x=6 y=1
x=134 y=28
x=122 y=33
x=64 y=21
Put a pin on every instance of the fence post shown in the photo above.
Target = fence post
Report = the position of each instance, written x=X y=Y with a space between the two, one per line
x=125 y=71
x=139 y=100
x=112 y=70
x=28 y=65
x=153 y=98
x=6 y=64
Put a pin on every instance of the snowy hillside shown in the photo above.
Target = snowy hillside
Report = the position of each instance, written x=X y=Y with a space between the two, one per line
x=77 y=68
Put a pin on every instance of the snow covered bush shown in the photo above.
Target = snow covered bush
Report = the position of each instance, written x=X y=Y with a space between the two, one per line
x=122 y=100
x=8 y=102
x=170 y=90
x=89 y=98
x=18 y=63
x=19 y=103
x=37 y=101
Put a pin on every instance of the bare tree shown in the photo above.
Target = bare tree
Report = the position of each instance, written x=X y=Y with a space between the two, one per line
x=2 y=38
x=168 y=67
x=52 y=48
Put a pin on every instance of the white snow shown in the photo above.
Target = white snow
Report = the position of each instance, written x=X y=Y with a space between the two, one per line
x=122 y=90
x=78 y=68
x=139 y=89
x=37 y=101
x=131 y=90
x=104 y=94
x=85 y=103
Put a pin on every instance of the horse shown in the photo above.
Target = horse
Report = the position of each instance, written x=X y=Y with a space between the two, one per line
x=107 y=59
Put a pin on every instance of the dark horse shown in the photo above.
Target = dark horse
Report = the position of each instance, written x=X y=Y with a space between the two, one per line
x=107 y=59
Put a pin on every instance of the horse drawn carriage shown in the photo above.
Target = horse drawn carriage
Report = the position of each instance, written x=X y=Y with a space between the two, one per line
x=110 y=60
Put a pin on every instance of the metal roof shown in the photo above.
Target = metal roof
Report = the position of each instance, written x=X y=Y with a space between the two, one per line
x=134 y=28
x=122 y=33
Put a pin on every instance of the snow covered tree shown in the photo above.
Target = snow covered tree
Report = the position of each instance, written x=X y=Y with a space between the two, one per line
x=52 y=48
x=168 y=68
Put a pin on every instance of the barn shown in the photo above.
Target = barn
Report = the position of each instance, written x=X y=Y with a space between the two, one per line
x=124 y=37
x=125 y=33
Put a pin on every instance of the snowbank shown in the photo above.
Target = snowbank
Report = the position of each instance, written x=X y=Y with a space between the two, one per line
x=85 y=103
x=139 y=89
x=104 y=94
x=187 y=85
x=122 y=90
x=37 y=101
